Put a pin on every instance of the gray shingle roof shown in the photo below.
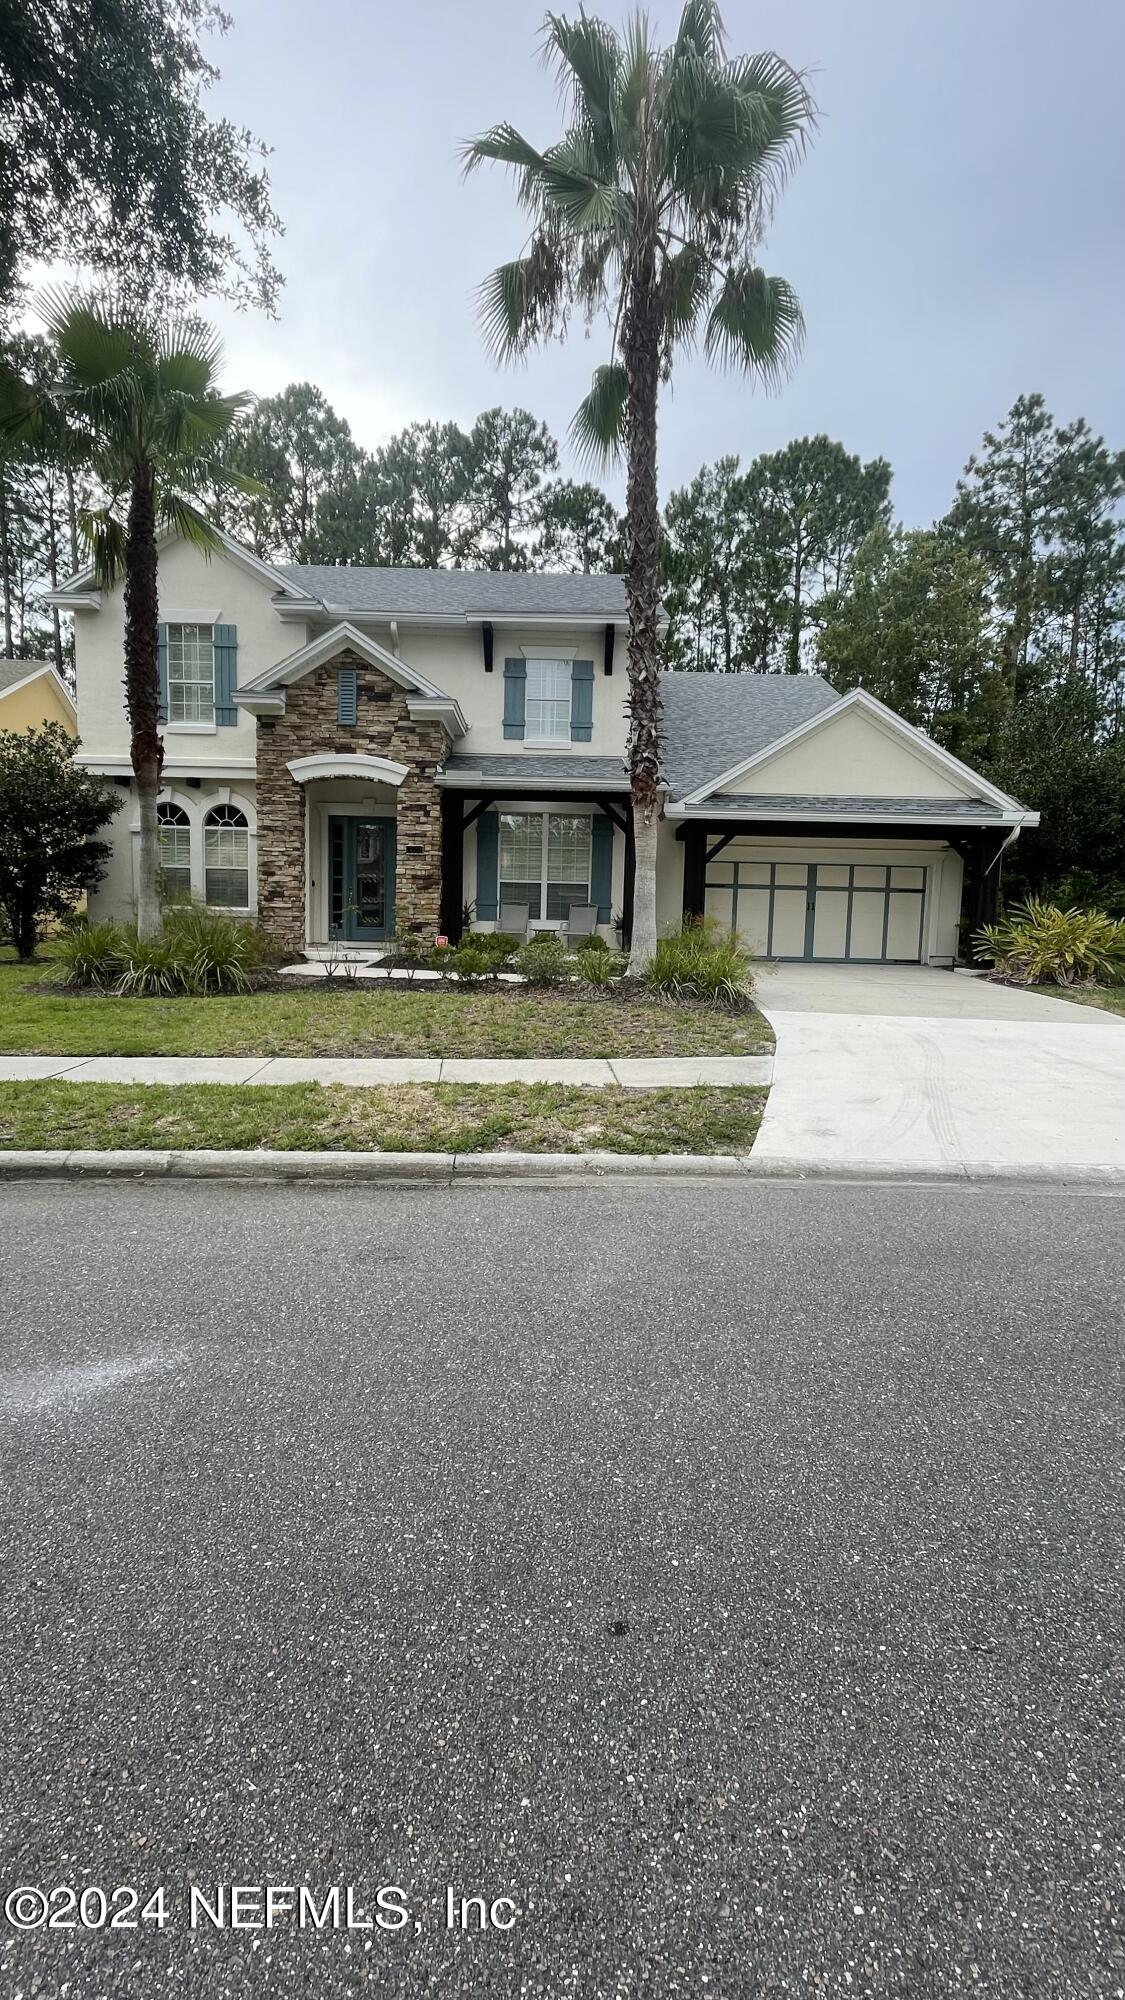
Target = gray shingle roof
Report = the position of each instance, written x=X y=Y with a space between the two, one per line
x=458 y=593
x=607 y=772
x=782 y=805
x=713 y=721
x=14 y=671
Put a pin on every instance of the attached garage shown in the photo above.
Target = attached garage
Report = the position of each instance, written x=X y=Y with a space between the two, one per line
x=836 y=907
x=841 y=834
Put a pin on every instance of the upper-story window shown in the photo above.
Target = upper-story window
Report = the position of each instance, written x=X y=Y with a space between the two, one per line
x=191 y=673
x=174 y=850
x=547 y=702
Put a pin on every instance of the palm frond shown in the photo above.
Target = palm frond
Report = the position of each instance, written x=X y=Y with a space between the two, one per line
x=638 y=81
x=755 y=324
x=586 y=56
x=104 y=537
x=571 y=184
x=175 y=511
x=521 y=300
x=502 y=143
x=597 y=430
x=700 y=31
x=780 y=111
x=686 y=282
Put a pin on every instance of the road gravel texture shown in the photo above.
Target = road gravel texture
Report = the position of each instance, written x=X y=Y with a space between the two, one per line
x=729 y=1575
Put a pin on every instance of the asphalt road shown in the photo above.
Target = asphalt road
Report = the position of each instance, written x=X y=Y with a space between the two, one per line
x=730 y=1576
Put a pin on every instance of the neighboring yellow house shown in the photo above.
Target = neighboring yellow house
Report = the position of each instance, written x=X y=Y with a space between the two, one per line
x=31 y=694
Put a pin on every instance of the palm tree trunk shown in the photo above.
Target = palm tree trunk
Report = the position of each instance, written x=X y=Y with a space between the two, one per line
x=641 y=349
x=6 y=567
x=142 y=687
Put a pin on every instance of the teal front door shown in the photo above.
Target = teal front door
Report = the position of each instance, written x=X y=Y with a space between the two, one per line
x=361 y=878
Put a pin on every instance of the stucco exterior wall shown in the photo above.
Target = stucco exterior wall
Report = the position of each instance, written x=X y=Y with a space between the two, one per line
x=37 y=702
x=191 y=589
x=851 y=756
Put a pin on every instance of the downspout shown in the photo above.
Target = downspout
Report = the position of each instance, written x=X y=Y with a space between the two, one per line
x=394 y=639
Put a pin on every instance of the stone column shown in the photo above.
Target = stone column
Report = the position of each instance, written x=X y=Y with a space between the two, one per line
x=281 y=846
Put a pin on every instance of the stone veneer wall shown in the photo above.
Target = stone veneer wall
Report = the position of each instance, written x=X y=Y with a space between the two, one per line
x=383 y=729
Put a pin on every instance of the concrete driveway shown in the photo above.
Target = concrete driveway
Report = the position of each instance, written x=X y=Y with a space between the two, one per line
x=906 y=1069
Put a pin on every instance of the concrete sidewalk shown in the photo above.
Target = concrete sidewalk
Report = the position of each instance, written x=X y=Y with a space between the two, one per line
x=632 y=1072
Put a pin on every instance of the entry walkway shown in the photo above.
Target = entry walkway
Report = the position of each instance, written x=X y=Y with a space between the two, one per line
x=631 y=1072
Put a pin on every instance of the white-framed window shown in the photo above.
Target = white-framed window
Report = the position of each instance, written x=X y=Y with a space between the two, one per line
x=173 y=840
x=544 y=861
x=547 y=702
x=191 y=673
x=226 y=858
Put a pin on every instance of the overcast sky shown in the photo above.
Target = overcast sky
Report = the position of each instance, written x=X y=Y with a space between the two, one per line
x=955 y=234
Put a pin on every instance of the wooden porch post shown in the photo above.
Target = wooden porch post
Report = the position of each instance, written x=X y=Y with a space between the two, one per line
x=452 y=865
x=695 y=869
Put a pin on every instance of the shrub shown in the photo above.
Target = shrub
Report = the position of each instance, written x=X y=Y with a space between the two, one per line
x=150 y=967
x=50 y=812
x=595 y=943
x=469 y=962
x=702 y=962
x=544 y=961
x=212 y=953
x=601 y=968
x=497 y=949
x=1040 y=945
x=90 y=954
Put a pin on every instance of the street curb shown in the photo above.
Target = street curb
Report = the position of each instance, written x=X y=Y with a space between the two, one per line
x=450 y=1169
x=397 y=1169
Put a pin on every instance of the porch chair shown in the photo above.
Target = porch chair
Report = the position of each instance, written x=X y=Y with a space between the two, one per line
x=581 y=922
x=514 y=919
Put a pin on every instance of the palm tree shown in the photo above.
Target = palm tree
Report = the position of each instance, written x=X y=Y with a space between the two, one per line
x=135 y=403
x=650 y=208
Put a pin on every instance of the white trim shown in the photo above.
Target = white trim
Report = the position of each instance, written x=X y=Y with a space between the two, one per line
x=230 y=768
x=80 y=583
x=174 y=616
x=190 y=728
x=376 y=770
x=894 y=724
x=849 y=818
x=197 y=805
x=37 y=671
x=475 y=781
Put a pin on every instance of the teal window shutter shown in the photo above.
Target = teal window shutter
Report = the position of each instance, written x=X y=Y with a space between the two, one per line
x=601 y=866
x=515 y=690
x=225 y=642
x=346 y=697
x=162 y=673
x=488 y=833
x=581 y=700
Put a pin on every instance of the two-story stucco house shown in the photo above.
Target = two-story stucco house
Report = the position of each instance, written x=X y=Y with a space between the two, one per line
x=345 y=748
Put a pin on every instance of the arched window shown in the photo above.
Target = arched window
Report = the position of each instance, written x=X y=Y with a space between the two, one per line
x=226 y=858
x=173 y=840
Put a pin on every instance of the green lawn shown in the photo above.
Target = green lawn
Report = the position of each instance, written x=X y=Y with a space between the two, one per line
x=360 y=1020
x=1110 y=998
x=431 y=1118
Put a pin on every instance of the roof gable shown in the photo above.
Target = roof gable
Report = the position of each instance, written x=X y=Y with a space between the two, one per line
x=855 y=745
x=338 y=639
x=711 y=718
x=16 y=674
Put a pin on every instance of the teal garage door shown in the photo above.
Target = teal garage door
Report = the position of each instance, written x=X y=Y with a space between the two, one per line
x=871 y=912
